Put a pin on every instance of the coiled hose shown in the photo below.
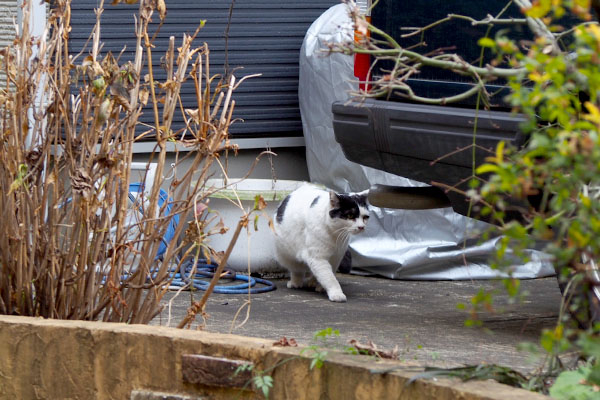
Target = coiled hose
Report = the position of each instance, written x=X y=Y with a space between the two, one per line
x=198 y=275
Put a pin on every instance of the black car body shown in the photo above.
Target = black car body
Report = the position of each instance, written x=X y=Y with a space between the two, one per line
x=429 y=143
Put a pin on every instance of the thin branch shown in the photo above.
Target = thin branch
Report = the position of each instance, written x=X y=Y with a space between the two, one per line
x=198 y=306
x=459 y=150
x=489 y=20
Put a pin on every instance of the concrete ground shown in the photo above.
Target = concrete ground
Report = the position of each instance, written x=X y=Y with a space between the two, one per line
x=421 y=318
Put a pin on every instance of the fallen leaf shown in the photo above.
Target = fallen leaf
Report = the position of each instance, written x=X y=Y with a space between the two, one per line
x=371 y=349
x=285 y=342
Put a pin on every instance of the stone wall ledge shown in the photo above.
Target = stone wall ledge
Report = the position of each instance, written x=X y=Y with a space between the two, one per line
x=54 y=359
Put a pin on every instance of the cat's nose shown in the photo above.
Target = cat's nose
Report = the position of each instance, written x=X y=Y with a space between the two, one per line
x=361 y=228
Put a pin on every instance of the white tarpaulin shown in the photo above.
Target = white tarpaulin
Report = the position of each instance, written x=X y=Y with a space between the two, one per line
x=398 y=244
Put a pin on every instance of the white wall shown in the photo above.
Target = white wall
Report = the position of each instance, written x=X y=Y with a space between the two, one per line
x=289 y=163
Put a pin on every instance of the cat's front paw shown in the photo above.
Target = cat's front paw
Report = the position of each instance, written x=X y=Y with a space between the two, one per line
x=337 y=297
x=293 y=285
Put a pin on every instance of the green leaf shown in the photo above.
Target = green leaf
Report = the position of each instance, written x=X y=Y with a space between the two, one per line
x=318 y=359
x=474 y=183
x=594 y=375
x=569 y=386
x=512 y=286
x=264 y=383
x=242 y=368
x=590 y=345
x=324 y=333
x=486 y=42
x=99 y=83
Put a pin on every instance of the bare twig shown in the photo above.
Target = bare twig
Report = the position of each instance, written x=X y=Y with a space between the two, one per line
x=198 y=306
x=488 y=20
x=77 y=243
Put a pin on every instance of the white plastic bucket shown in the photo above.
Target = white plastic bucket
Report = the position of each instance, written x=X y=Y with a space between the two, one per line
x=254 y=247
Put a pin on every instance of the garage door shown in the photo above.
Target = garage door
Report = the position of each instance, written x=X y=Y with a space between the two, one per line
x=264 y=37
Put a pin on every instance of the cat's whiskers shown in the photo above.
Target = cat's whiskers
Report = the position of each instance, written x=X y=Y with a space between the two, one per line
x=344 y=233
x=343 y=228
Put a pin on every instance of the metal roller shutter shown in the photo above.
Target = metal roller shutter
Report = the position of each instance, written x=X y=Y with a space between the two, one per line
x=264 y=37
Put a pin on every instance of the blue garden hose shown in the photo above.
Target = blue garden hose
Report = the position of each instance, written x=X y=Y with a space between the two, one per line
x=199 y=277
x=163 y=197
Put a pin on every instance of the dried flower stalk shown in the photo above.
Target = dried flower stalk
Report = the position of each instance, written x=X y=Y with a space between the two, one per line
x=68 y=125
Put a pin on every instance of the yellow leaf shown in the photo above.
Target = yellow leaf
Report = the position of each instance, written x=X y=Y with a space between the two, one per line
x=595 y=31
x=486 y=42
x=485 y=168
x=594 y=113
x=585 y=200
x=539 y=78
x=500 y=152
x=14 y=186
x=558 y=332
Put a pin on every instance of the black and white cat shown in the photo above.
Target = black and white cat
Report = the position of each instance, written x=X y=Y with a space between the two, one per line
x=312 y=229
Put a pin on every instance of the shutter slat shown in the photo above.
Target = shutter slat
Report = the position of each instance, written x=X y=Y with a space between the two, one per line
x=264 y=37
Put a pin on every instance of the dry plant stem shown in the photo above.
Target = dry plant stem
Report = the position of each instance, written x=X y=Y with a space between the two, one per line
x=174 y=81
x=199 y=306
x=118 y=258
x=247 y=304
x=69 y=250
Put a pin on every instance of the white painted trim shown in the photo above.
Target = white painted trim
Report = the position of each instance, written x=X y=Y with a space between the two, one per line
x=263 y=143
x=38 y=17
x=37 y=30
x=255 y=143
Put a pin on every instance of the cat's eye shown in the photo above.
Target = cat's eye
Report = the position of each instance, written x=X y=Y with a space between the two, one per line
x=366 y=218
x=351 y=215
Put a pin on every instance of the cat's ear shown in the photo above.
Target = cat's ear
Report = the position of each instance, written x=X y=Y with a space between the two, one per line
x=363 y=197
x=334 y=200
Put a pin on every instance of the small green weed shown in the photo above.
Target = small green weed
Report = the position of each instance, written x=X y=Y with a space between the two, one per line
x=263 y=380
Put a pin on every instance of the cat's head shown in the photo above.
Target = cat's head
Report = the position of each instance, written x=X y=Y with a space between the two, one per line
x=349 y=210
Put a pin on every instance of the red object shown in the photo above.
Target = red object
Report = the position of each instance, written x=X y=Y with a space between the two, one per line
x=362 y=63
